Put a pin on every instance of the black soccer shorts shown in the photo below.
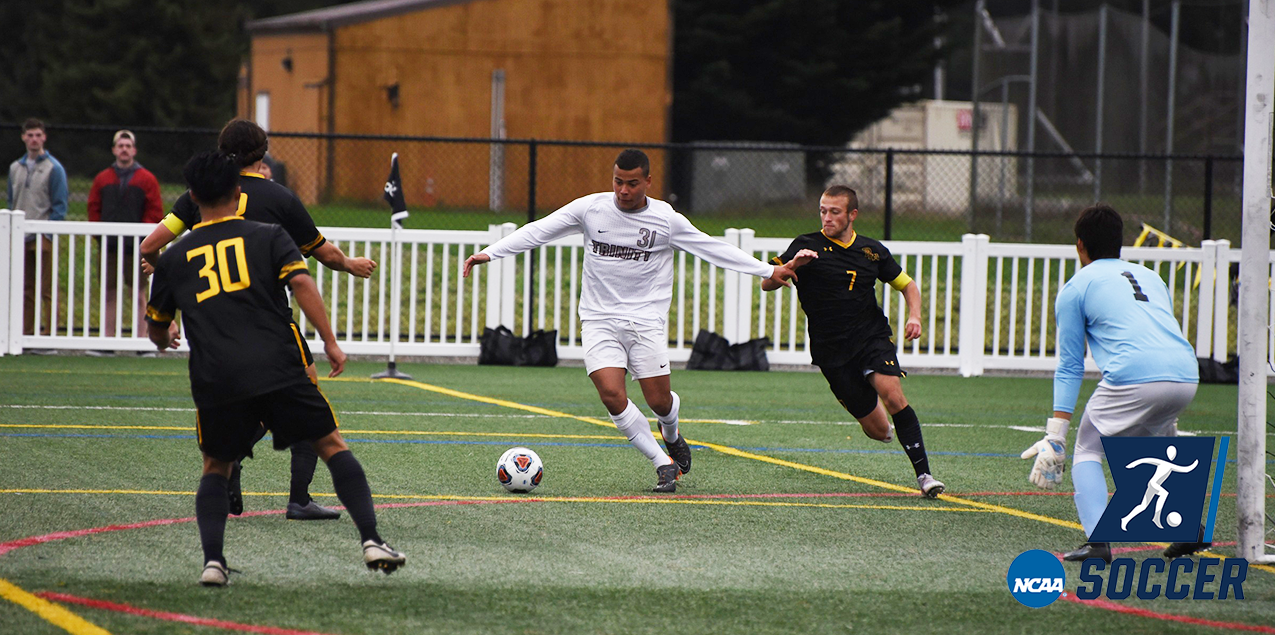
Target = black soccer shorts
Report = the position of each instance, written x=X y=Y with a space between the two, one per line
x=292 y=414
x=849 y=381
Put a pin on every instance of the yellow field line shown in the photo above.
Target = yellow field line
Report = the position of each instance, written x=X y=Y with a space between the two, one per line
x=532 y=435
x=538 y=499
x=1018 y=513
x=54 y=614
x=495 y=402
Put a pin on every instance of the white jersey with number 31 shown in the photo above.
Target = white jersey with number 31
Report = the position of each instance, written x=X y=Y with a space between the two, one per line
x=628 y=255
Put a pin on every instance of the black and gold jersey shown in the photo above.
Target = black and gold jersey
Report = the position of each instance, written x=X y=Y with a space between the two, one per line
x=838 y=293
x=264 y=201
x=225 y=278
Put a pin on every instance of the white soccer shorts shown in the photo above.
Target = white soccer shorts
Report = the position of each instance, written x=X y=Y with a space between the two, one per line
x=1136 y=410
x=642 y=349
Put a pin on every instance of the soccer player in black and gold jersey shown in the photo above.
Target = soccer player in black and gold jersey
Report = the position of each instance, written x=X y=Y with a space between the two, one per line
x=247 y=362
x=265 y=201
x=849 y=334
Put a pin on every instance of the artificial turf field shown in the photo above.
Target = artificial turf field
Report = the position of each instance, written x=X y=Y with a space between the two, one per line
x=795 y=522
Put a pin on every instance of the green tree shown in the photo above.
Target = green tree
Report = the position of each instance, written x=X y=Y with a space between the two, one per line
x=804 y=71
x=127 y=62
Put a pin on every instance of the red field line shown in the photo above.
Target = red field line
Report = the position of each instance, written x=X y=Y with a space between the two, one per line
x=1129 y=610
x=171 y=617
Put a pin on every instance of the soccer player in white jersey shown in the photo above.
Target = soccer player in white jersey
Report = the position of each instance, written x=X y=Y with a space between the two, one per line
x=1149 y=370
x=628 y=284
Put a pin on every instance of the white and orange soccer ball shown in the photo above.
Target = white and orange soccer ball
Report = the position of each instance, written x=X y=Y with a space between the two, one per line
x=519 y=470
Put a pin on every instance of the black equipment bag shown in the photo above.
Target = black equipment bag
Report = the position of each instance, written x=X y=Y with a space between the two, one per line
x=539 y=349
x=712 y=352
x=500 y=347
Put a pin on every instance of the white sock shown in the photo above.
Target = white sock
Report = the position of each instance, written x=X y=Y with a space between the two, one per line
x=635 y=426
x=889 y=436
x=668 y=422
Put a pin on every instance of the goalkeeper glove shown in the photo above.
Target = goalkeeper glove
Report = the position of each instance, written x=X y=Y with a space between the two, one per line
x=1050 y=456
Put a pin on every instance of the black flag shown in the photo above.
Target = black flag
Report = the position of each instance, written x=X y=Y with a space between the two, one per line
x=394 y=193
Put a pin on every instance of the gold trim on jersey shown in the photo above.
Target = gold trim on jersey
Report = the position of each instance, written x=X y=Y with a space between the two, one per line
x=292 y=266
x=156 y=316
x=777 y=261
x=853 y=235
x=199 y=430
x=219 y=220
x=252 y=174
x=900 y=283
x=308 y=247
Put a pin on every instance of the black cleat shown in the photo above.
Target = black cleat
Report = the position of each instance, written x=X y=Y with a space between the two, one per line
x=311 y=511
x=667 y=478
x=379 y=556
x=235 y=491
x=679 y=451
x=215 y=574
x=1101 y=550
x=1180 y=549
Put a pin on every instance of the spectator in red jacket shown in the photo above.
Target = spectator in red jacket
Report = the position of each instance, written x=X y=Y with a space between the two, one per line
x=125 y=192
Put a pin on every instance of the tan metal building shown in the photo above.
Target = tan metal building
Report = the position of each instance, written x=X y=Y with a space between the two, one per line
x=585 y=70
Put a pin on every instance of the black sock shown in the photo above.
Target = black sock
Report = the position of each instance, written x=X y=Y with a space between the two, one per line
x=211 y=508
x=351 y=487
x=908 y=427
x=303 y=461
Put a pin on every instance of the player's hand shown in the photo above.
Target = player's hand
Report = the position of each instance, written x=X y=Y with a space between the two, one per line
x=174 y=335
x=336 y=357
x=147 y=268
x=912 y=329
x=361 y=267
x=782 y=275
x=802 y=258
x=1050 y=455
x=476 y=259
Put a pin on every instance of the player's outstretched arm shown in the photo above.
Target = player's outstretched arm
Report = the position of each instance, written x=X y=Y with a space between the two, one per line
x=476 y=259
x=802 y=258
x=561 y=223
x=311 y=303
x=333 y=258
x=912 y=296
x=158 y=238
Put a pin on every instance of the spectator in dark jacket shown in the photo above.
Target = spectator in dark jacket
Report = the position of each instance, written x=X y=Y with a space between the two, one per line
x=125 y=192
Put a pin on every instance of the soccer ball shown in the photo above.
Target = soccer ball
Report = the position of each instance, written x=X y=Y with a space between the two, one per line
x=519 y=470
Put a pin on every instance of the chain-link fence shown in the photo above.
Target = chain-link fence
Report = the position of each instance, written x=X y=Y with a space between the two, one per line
x=454 y=183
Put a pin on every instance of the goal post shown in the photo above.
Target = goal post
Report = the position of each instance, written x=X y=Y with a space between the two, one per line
x=1254 y=527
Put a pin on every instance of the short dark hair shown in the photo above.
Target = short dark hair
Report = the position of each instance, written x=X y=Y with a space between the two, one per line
x=32 y=124
x=632 y=158
x=1101 y=231
x=211 y=177
x=243 y=141
x=841 y=190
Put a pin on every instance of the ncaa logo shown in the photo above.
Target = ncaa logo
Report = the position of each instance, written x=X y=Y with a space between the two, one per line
x=1036 y=578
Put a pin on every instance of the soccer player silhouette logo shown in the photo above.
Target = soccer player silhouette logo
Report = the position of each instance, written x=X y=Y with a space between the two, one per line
x=1156 y=489
x=1146 y=470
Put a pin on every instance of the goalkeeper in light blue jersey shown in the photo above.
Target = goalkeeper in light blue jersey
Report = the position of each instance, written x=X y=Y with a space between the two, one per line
x=1149 y=370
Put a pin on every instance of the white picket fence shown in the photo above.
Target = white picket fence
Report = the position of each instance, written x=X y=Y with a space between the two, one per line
x=986 y=306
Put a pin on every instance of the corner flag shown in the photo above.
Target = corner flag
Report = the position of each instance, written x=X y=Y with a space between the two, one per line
x=394 y=193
